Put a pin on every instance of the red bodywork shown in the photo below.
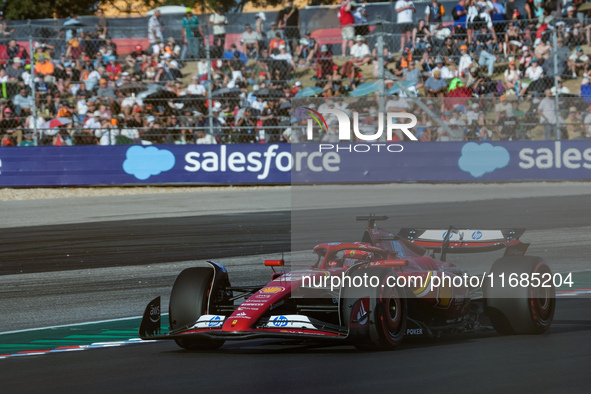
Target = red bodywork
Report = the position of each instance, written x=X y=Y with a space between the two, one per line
x=266 y=312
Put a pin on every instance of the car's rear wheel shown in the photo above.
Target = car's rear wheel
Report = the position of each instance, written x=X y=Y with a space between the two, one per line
x=384 y=306
x=188 y=301
x=520 y=309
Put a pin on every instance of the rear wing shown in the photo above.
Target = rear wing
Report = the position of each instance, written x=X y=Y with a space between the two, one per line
x=467 y=240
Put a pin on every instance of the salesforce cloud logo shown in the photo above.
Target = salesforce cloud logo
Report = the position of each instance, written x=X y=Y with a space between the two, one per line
x=480 y=159
x=143 y=163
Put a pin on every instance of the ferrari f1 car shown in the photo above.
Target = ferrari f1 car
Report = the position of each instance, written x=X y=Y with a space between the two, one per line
x=204 y=312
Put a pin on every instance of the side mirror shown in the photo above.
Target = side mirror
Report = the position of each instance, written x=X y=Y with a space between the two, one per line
x=274 y=263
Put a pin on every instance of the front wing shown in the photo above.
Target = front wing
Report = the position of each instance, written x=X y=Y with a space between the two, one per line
x=212 y=327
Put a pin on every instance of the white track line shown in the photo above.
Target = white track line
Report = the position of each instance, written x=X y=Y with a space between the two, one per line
x=73 y=325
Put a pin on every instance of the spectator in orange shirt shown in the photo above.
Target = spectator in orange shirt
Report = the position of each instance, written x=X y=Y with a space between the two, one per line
x=276 y=42
x=43 y=67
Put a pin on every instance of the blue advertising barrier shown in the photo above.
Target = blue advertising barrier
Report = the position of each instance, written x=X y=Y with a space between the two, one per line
x=296 y=163
x=454 y=162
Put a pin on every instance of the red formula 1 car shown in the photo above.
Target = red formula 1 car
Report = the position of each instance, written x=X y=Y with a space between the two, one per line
x=369 y=294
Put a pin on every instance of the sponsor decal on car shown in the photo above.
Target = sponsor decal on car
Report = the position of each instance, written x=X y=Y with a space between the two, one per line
x=414 y=331
x=209 y=321
x=290 y=321
x=215 y=321
x=155 y=311
x=279 y=321
x=273 y=289
x=250 y=303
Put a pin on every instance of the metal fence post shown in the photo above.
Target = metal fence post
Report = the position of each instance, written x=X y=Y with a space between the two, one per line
x=381 y=83
x=208 y=57
x=32 y=83
x=555 y=51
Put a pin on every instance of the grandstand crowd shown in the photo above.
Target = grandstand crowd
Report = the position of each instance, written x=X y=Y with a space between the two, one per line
x=487 y=70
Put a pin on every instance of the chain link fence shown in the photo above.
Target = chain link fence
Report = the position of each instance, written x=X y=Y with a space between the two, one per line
x=495 y=81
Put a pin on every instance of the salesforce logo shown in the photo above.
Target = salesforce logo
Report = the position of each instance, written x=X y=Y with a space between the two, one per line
x=260 y=163
x=143 y=163
x=546 y=158
x=478 y=160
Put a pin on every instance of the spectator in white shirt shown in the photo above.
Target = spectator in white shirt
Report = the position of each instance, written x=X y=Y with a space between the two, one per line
x=218 y=21
x=360 y=52
x=202 y=68
x=534 y=72
x=445 y=72
x=204 y=139
x=94 y=121
x=195 y=87
x=250 y=40
x=283 y=55
x=465 y=61
x=154 y=28
x=405 y=10
x=259 y=104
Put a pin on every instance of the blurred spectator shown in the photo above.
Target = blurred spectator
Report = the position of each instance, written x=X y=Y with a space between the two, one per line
x=360 y=52
x=511 y=78
x=440 y=34
x=574 y=125
x=72 y=25
x=548 y=113
x=23 y=102
x=250 y=41
x=4 y=30
x=465 y=61
x=204 y=138
x=360 y=16
x=15 y=50
x=102 y=27
x=460 y=16
x=412 y=74
x=347 y=21
x=260 y=27
x=219 y=21
x=421 y=36
x=434 y=12
x=577 y=61
x=534 y=72
x=113 y=69
x=15 y=70
x=444 y=71
x=291 y=18
x=449 y=52
x=272 y=33
x=324 y=63
x=435 y=86
x=283 y=55
x=155 y=28
x=561 y=88
x=110 y=46
x=457 y=126
x=192 y=35
x=405 y=18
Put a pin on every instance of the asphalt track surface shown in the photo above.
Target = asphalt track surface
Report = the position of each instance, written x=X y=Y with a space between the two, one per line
x=485 y=362
x=149 y=241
